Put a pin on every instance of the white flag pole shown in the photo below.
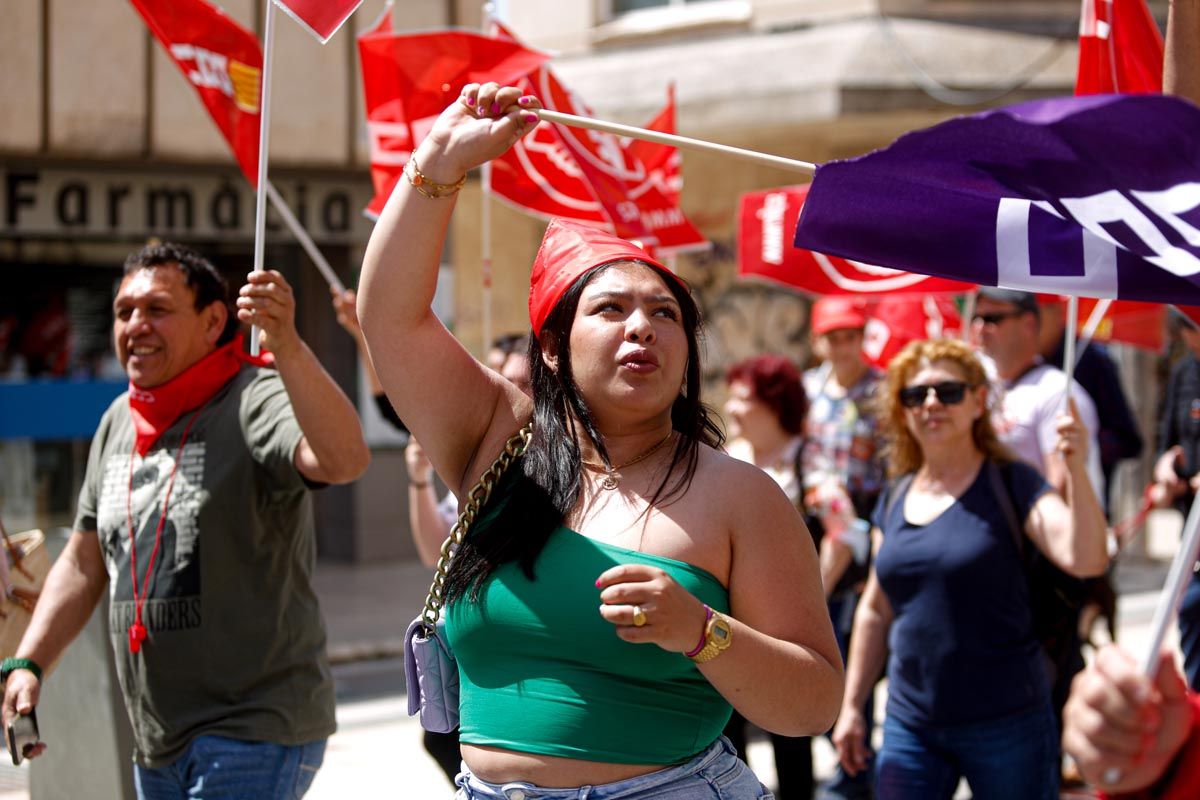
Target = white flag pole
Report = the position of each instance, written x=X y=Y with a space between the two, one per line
x=264 y=129
x=485 y=221
x=1172 y=593
x=684 y=142
x=968 y=316
x=1089 y=328
x=310 y=247
x=1069 y=351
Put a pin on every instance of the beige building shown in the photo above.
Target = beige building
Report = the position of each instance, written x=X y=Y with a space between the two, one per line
x=104 y=144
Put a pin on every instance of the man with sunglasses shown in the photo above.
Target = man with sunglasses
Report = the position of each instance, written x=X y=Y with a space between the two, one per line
x=1030 y=392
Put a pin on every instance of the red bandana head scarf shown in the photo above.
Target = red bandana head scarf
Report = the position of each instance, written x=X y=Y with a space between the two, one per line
x=154 y=410
x=570 y=249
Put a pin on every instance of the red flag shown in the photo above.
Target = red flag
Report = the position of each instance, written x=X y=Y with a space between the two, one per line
x=321 y=18
x=1126 y=321
x=222 y=61
x=1120 y=49
x=893 y=322
x=661 y=160
x=765 y=229
x=588 y=176
x=408 y=80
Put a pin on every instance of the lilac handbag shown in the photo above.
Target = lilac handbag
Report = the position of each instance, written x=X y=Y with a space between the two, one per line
x=430 y=669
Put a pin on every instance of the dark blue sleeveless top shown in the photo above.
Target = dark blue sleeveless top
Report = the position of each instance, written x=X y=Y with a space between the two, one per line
x=962 y=644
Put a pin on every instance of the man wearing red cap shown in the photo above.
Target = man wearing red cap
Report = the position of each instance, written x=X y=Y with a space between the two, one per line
x=841 y=466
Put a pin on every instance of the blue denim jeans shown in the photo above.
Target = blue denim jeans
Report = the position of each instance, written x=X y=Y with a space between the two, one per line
x=1004 y=759
x=219 y=768
x=715 y=774
x=1189 y=631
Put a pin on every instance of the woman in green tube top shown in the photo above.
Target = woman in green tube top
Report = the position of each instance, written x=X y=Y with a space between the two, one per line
x=628 y=582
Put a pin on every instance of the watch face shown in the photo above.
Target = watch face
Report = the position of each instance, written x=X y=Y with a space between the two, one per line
x=720 y=632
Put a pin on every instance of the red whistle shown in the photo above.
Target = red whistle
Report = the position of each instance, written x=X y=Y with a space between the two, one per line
x=137 y=635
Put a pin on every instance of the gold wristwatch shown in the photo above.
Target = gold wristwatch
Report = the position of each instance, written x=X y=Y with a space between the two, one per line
x=717 y=638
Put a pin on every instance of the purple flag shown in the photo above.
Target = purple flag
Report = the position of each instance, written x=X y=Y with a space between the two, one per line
x=1094 y=196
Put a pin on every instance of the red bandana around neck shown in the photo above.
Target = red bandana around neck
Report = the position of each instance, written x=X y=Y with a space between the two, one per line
x=155 y=410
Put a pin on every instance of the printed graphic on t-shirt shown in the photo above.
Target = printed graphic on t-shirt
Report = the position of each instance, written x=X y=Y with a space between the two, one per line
x=173 y=588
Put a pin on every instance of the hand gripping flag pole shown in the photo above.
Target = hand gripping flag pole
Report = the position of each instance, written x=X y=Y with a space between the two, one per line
x=264 y=131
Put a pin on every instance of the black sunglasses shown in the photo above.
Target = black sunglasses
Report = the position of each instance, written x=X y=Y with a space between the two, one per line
x=996 y=317
x=949 y=393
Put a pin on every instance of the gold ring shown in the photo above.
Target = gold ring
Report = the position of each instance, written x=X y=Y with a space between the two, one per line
x=639 y=617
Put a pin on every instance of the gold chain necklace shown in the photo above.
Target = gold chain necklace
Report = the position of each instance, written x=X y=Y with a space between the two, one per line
x=612 y=477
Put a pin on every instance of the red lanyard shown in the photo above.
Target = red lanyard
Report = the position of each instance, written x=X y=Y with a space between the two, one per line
x=137 y=631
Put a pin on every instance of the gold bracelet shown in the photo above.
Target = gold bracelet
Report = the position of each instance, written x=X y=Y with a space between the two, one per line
x=431 y=189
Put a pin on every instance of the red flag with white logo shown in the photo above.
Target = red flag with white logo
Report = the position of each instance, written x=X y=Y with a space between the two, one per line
x=321 y=18
x=223 y=63
x=408 y=80
x=661 y=160
x=894 y=321
x=767 y=221
x=1120 y=49
x=588 y=176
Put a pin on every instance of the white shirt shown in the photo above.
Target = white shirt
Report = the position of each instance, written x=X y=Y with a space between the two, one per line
x=1024 y=417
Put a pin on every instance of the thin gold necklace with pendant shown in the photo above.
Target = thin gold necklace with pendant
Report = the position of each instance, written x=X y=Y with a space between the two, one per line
x=612 y=475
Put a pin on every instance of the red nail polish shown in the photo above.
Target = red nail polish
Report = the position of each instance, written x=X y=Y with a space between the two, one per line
x=531 y=117
x=597 y=583
x=470 y=101
x=495 y=108
x=524 y=101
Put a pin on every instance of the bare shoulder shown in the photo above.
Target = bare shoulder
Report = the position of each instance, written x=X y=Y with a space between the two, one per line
x=738 y=487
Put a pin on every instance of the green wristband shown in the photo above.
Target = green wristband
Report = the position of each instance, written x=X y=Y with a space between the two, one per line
x=8 y=665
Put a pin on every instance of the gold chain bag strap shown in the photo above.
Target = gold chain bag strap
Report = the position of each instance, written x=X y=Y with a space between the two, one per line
x=429 y=666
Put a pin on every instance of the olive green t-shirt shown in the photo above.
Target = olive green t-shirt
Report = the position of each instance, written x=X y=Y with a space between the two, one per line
x=236 y=644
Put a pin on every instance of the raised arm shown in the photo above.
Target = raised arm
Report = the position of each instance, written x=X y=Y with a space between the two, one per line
x=333 y=449
x=460 y=411
x=67 y=600
x=1181 y=67
x=1072 y=532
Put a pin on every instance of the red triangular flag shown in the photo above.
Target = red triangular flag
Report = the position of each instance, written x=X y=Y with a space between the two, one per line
x=321 y=18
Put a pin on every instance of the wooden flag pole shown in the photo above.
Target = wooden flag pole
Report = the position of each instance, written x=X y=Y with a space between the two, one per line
x=673 y=140
x=310 y=247
x=264 y=129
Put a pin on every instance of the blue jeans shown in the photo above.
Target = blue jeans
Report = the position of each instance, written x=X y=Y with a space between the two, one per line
x=715 y=774
x=1189 y=631
x=219 y=768
x=1004 y=759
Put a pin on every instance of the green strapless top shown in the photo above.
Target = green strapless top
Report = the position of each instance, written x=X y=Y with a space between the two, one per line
x=542 y=672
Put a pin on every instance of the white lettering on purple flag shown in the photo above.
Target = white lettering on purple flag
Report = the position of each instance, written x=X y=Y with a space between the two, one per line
x=1013 y=264
x=1112 y=206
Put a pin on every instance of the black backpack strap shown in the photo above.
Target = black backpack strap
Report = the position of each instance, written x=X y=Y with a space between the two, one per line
x=1004 y=500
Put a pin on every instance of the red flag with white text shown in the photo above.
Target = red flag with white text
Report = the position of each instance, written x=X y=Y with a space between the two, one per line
x=321 y=18
x=589 y=176
x=1120 y=49
x=767 y=221
x=409 y=79
x=223 y=63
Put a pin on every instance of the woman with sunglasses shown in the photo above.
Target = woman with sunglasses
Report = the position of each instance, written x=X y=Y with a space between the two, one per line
x=628 y=582
x=968 y=695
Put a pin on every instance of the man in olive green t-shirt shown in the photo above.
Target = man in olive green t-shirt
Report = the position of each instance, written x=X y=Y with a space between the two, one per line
x=195 y=511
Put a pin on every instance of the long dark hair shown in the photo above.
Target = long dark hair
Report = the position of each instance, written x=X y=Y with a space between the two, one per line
x=542 y=487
